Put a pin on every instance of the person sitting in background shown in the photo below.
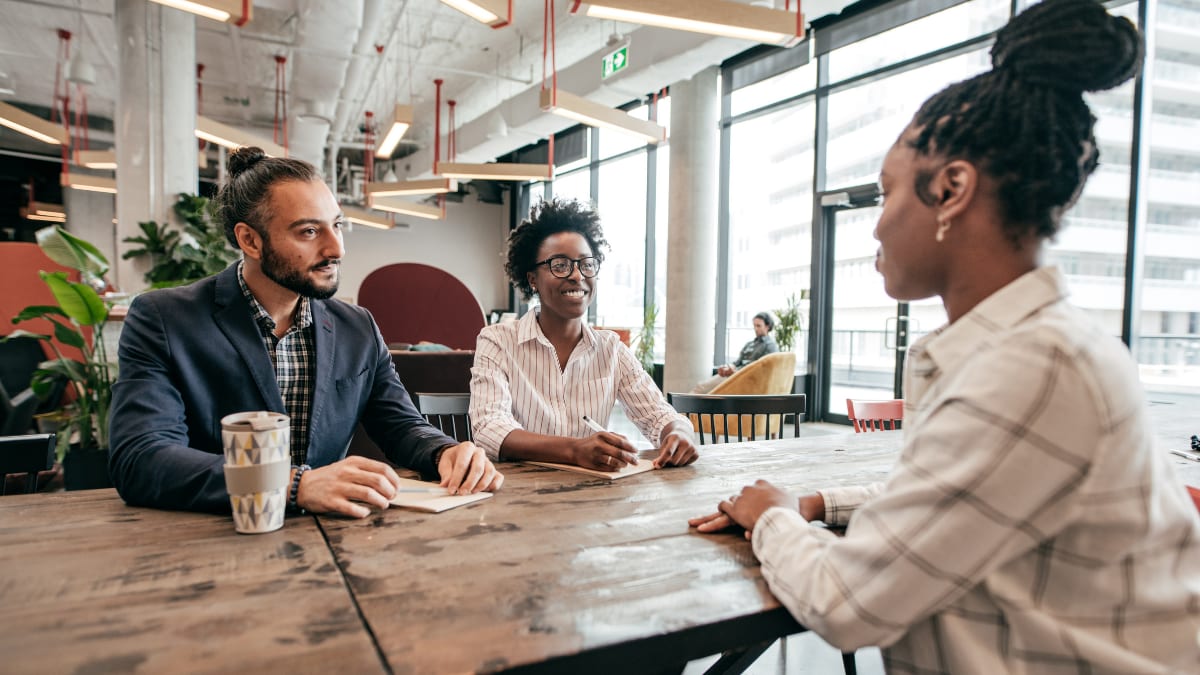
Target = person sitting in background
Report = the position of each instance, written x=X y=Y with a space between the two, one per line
x=535 y=379
x=1029 y=525
x=266 y=334
x=762 y=344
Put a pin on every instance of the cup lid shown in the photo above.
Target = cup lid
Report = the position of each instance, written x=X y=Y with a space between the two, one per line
x=257 y=420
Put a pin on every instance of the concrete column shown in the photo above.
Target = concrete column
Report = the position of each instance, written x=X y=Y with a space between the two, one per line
x=692 y=231
x=155 y=121
x=90 y=215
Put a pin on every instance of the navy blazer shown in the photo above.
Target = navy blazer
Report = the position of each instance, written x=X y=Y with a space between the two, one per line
x=191 y=355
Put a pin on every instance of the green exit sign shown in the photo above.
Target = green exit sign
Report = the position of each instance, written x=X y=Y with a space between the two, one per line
x=615 y=62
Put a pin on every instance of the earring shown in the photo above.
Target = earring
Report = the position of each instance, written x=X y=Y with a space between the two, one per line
x=944 y=224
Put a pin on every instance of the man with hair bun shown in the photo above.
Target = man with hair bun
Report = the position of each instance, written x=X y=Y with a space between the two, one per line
x=265 y=334
x=1029 y=525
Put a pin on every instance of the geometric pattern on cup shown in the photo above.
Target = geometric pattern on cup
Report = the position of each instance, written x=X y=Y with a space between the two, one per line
x=259 y=512
x=255 y=447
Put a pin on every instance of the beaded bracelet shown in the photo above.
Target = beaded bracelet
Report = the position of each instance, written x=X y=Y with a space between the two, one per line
x=295 y=489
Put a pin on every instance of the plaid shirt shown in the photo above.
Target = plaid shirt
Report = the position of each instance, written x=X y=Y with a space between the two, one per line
x=1028 y=525
x=293 y=357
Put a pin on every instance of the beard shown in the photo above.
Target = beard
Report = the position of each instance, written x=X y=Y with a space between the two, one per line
x=295 y=280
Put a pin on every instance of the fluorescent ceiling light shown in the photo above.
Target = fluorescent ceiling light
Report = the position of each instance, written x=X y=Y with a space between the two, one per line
x=31 y=125
x=237 y=12
x=593 y=114
x=407 y=208
x=402 y=119
x=364 y=217
x=494 y=171
x=714 y=17
x=82 y=181
x=495 y=13
x=230 y=137
x=97 y=159
x=430 y=186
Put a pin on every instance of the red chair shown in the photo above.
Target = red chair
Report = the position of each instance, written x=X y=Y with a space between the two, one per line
x=1195 y=495
x=875 y=415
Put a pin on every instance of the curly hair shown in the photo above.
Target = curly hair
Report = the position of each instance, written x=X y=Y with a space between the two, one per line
x=1025 y=123
x=546 y=219
x=244 y=198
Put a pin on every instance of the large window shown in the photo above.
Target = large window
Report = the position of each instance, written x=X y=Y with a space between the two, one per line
x=622 y=203
x=770 y=219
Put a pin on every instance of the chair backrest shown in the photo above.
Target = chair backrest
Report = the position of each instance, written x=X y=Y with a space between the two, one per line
x=26 y=455
x=738 y=417
x=19 y=358
x=447 y=412
x=875 y=415
x=773 y=374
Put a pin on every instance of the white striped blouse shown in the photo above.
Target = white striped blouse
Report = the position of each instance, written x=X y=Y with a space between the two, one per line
x=516 y=384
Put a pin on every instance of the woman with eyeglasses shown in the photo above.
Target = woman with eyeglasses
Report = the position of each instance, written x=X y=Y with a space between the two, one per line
x=538 y=381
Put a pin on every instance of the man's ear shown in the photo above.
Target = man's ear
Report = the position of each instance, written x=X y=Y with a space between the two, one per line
x=249 y=240
x=954 y=187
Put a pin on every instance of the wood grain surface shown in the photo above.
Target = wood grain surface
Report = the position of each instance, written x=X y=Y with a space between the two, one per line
x=561 y=572
x=90 y=585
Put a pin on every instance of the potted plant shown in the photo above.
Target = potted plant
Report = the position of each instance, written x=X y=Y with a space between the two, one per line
x=178 y=258
x=645 y=339
x=83 y=421
x=788 y=325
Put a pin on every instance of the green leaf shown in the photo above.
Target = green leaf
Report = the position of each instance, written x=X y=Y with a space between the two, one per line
x=37 y=312
x=67 y=336
x=68 y=250
x=78 y=301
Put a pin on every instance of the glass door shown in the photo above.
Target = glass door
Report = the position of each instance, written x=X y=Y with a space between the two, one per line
x=861 y=335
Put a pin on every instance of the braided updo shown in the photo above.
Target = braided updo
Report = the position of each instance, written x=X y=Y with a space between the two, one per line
x=244 y=198
x=1025 y=122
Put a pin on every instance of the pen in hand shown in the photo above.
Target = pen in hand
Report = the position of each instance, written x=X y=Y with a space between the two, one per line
x=591 y=424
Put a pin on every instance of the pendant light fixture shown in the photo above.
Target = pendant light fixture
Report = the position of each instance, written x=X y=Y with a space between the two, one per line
x=495 y=13
x=236 y=12
x=713 y=17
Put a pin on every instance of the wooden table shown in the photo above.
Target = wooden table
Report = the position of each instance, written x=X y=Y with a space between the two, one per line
x=557 y=573
x=561 y=572
x=89 y=585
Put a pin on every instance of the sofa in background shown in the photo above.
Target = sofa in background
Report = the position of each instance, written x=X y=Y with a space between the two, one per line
x=416 y=303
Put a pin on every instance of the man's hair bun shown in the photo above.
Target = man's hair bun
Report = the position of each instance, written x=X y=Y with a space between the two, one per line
x=243 y=158
x=1074 y=45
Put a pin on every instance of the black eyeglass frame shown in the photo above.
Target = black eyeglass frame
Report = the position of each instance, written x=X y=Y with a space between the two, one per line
x=576 y=263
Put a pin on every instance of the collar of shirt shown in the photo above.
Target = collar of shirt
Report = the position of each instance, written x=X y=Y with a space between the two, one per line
x=529 y=329
x=301 y=320
x=949 y=345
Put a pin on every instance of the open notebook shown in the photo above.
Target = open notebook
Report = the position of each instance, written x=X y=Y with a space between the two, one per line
x=421 y=496
x=642 y=466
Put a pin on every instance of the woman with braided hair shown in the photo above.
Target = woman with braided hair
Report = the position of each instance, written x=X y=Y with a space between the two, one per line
x=1029 y=525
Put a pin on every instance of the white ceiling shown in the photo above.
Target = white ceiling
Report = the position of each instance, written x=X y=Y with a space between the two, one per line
x=333 y=66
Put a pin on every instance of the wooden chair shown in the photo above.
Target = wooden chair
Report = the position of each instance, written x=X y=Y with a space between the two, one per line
x=26 y=455
x=743 y=417
x=447 y=412
x=875 y=415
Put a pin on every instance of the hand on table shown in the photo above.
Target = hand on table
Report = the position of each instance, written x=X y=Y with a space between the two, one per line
x=746 y=508
x=677 y=449
x=349 y=487
x=603 y=451
x=465 y=469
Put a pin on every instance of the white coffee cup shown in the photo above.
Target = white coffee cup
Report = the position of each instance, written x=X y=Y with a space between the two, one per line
x=257 y=447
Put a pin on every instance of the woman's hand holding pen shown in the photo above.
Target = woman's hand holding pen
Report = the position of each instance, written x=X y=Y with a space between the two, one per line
x=603 y=450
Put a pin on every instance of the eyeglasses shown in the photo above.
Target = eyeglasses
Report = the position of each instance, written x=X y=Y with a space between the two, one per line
x=561 y=265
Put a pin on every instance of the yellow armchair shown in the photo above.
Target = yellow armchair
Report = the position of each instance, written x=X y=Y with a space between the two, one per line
x=772 y=374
